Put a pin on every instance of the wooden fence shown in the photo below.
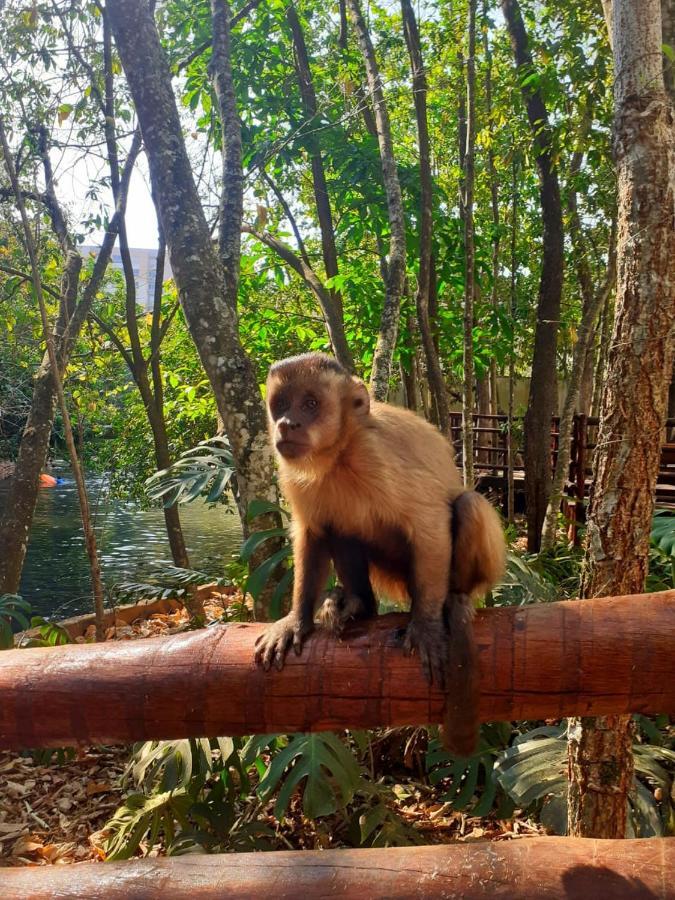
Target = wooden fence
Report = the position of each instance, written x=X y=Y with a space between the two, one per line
x=491 y=461
x=610 y=655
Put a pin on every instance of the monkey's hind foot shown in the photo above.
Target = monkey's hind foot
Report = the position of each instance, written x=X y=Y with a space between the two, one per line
x=428 y=638
x=273 y=645
x=338 y=609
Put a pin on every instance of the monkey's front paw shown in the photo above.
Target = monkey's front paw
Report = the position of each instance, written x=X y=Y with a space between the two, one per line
x=429 y=639
x=275 y=642
x=338 y=609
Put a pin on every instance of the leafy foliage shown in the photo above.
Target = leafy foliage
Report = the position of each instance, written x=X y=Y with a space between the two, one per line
x=325 y=766
x=12 y=609
x=470 y=783
x=533 y=772
x=282 y=556
x=167 y=582
x=206 y=470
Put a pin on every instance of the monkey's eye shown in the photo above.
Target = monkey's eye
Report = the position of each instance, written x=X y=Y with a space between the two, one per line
x=310 y=403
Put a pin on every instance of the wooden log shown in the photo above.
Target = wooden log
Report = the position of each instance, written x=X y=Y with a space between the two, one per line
x=611 y=655
x=529 y=869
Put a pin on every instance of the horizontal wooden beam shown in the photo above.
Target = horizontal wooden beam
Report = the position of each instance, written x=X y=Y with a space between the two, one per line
x=591 y=657
x=529 y=869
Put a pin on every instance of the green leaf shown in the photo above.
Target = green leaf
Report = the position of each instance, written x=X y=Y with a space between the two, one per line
x=324 y=763
x=262 y=507
x=253 y=541
x=257 y=580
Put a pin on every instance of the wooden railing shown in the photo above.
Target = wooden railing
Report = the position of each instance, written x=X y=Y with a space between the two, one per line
x=491 y=461
x=609 y=655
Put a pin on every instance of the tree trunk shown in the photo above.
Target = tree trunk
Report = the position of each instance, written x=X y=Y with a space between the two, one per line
x=320 y=188
x=593 y=301
x=174 y=529
x=231 y=207
x=17 y=516
x=603 y=351
x=48 y=337
x=543 y=392
x=419 y=86
x=386 y=339
x=331 y=313
x=510 y=446
x=583 y=406
x=204 y=290
x=634 y=399
x=469 y=253
x=494 y=200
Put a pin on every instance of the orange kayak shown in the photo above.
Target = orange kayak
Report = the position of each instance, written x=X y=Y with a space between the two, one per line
x=47 y=480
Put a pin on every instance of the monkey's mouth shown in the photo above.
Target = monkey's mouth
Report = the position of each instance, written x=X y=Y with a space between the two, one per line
x=292 y=449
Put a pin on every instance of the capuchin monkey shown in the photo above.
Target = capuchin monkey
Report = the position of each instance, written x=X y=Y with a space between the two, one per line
x=374 y=489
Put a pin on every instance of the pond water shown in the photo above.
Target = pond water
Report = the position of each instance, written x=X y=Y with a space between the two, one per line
x=131 y=542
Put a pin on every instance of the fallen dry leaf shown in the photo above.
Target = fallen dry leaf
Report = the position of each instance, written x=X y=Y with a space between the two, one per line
x=26 y=845
x=98 y=787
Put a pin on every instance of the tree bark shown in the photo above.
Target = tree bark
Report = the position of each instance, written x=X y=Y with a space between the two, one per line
x=419 y=86
x=469 y=252
x=543 y=391
x=386 y=339
x=635 y=394
x=204 y=290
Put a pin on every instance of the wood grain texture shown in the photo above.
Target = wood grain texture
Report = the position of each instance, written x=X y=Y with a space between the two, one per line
x=529 y=869
x=610 y=655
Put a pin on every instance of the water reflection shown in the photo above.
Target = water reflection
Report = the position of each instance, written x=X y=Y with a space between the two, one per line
x=131 y=541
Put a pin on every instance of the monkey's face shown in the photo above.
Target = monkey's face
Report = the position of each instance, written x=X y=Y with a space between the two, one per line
x=305 y=415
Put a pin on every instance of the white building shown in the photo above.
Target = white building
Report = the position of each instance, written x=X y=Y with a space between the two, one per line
x=144 y=262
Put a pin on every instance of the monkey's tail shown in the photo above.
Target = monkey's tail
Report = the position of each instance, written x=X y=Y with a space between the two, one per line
x=461 y=722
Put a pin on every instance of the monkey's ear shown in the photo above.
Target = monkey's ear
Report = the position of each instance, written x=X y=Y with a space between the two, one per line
x=360 y=398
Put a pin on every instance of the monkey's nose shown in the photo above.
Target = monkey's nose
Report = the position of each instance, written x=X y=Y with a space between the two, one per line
x=286 y=425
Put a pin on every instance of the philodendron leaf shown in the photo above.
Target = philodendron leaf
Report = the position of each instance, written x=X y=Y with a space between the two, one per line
x=323 y=763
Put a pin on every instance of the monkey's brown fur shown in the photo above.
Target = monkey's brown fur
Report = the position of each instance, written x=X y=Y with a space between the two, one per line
x=375 y=489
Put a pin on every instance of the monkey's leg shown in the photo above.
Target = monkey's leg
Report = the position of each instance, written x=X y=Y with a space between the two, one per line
x=426 y=634
x=353 y=598
x=311 y=570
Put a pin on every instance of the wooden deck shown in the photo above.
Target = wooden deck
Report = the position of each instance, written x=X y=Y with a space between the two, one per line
x=491 y=462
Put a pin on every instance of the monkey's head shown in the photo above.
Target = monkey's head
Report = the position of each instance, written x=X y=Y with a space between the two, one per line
x=313 y=405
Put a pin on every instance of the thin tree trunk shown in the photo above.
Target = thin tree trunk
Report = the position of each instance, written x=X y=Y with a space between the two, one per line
x=17 y=517
x=583 y=405
x=319 y=186
x=386 y=339
x=543 y=391
x=593 y=301
x=494 y=201
x=469 y=252
x=510 y=449
x=174 y=529
x=204 y=290
x=419 y=86
x=603 y=352
x=87 y=524
x=151 y=395
x=635 y=395
x=231 y=208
